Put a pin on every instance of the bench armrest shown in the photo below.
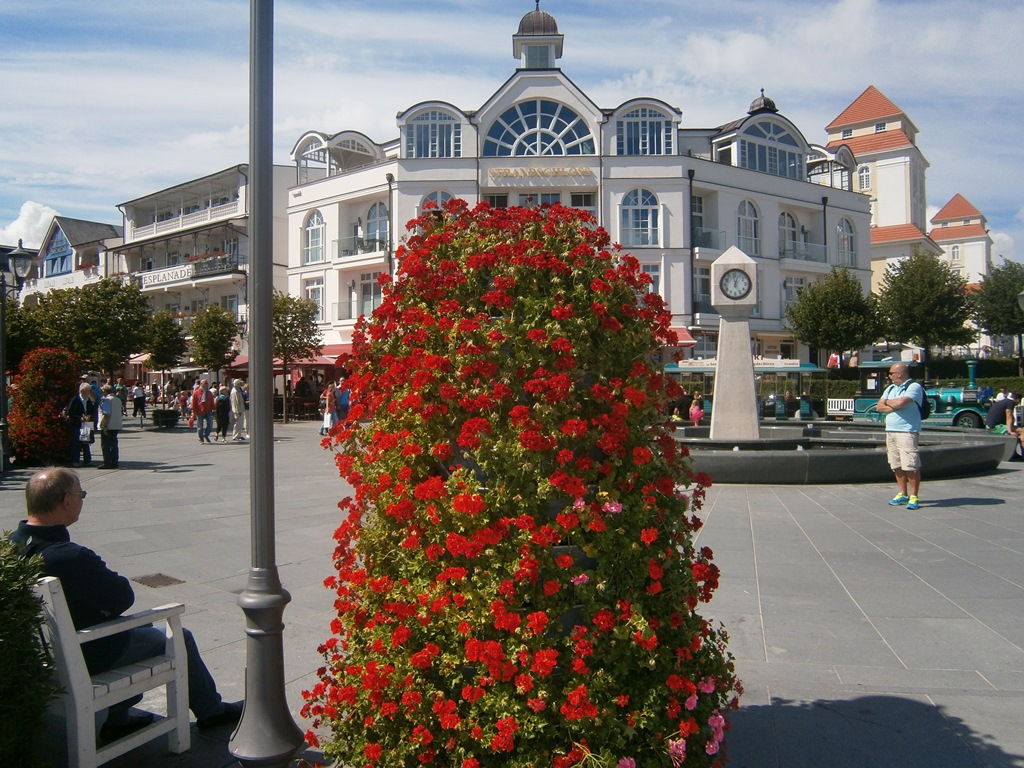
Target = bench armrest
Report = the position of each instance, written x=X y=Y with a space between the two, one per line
x=131 y=621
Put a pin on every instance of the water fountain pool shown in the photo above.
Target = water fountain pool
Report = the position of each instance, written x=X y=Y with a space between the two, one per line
x=816 y=453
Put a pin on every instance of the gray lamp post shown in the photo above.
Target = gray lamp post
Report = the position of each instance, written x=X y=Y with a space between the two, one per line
x=18 y=262
x=267 y=736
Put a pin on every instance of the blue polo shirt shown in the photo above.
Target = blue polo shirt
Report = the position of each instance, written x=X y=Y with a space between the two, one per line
x=907 y=418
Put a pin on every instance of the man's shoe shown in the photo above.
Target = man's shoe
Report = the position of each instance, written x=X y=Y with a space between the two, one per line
x=232 y=714
x=913 y=503
x=110 y=732
x=898 y=499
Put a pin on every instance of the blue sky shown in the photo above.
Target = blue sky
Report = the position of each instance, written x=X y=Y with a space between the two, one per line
x=108 y=101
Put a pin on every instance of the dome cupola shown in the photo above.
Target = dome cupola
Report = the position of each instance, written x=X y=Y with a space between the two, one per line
x=762 y=104
x=537 y=44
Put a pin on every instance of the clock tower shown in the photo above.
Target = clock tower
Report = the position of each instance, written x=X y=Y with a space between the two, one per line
x=734 y=297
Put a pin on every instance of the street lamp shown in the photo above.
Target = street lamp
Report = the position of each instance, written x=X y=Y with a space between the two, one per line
x=1020 y=299
x=19 y=262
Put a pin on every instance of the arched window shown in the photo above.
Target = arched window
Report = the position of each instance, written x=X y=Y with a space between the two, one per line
x=313 y=245
x=643 y=131
x=433 y=134
x=748 y=229
x=768 y=147
x=789 y=236
x=955 y=253
x=538 y=127
x=846 y=243
x=377 y=226
x=435 y=200
x=639 y=218
x=864 y=178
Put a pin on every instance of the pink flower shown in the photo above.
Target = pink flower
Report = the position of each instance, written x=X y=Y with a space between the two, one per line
x=580 y=578
x=711 y=747
x=707 y=685
x=579 y=506
x=691 y=702
x=612 y=507
x=627 y=762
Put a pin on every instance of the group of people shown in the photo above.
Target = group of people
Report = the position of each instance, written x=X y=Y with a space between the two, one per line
x=228 y=407
x=95 y=408
x=334 y=404
x=689 y=407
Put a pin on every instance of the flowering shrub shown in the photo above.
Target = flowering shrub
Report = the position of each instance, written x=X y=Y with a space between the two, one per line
x=517 y=583
x=47 y=380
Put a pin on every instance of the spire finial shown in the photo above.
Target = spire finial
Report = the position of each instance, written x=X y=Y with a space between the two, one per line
x=538 y=5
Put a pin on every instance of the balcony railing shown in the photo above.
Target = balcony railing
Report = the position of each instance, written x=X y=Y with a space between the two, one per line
x=804 y=252
x=215 y=265
x=185 y=220
x=354 y=246
x=351 y=310
x=708 y=238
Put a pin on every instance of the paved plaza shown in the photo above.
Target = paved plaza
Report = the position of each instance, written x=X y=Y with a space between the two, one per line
x=866 y=635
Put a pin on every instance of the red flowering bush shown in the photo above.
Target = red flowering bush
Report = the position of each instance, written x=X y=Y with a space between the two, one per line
x=47 y=380
x=517 y=583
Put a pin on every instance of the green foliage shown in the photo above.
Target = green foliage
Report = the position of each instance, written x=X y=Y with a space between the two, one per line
x=25 y=683
x=47 y=381
x=21 y=332
x=103 y=322
x=996 y=309
x=923 y=301
x=834 y=314
x=213 y=332
x=296 y=332
x=165 y=341
x=296 y=328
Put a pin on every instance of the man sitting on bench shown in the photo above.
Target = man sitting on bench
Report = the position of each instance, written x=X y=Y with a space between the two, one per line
x=96 y=594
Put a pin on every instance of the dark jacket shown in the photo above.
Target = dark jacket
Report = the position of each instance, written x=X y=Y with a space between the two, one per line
x=94 y=592
x=77 y=408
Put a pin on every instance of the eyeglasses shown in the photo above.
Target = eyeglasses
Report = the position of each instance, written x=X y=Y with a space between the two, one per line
x=80 y=492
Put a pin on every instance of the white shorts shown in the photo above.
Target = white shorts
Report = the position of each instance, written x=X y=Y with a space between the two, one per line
x=901 y=448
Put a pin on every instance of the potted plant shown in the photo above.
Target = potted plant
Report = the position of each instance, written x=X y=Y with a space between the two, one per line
x=517 y=581
x=26 y=685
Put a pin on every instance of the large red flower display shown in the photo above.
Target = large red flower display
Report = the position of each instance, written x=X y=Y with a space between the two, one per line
x=517 y=583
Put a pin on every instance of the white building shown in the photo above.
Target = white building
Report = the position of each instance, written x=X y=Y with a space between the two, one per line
x=675 y=196
x=188 y=246
x=72 y=253
x=961 y=232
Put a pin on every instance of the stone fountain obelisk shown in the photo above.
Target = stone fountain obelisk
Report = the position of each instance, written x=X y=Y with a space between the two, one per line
x=734 y=296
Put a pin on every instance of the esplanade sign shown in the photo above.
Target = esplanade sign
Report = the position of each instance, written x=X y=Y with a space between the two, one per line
x=520 y=173
x=164 y=276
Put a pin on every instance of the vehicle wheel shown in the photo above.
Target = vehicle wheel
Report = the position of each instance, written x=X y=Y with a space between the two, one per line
x=968 y=420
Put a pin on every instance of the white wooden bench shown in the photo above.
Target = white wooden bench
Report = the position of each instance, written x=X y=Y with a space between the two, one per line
x=85 y=695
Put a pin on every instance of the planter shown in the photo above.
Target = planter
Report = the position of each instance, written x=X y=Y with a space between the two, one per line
x=165 y=417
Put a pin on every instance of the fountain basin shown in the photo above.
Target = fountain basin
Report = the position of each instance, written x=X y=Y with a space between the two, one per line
x=821 y=453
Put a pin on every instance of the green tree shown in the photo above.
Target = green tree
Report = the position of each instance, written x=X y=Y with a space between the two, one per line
x=996 y=309
x=924 y=302
x=103 y=322
x=213 y=332
x=21 y=333
x=165 y=341
x=834 y=314
x=296 y=333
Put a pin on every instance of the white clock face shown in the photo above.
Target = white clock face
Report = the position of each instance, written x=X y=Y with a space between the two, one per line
x=735 y=284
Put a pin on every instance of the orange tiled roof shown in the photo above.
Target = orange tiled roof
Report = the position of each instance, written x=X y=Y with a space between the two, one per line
x=957 y=233
x=873 y=142
x=957 y=208
x=896 y=233
x=869 y=106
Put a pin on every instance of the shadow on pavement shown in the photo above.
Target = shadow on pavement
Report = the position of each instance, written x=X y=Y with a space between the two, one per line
x=857 y=733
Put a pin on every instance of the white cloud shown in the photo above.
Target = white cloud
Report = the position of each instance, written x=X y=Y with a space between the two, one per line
x=30 y=226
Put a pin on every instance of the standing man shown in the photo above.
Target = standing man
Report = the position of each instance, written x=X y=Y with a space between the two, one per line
x=96 y=594
x=238 y=411
x=138 y=400
x=901 y=402
x=203 y=402
x=111 y=422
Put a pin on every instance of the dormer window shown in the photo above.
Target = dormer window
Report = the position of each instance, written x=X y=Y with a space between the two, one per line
x=879 y=127
x=847 y=133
